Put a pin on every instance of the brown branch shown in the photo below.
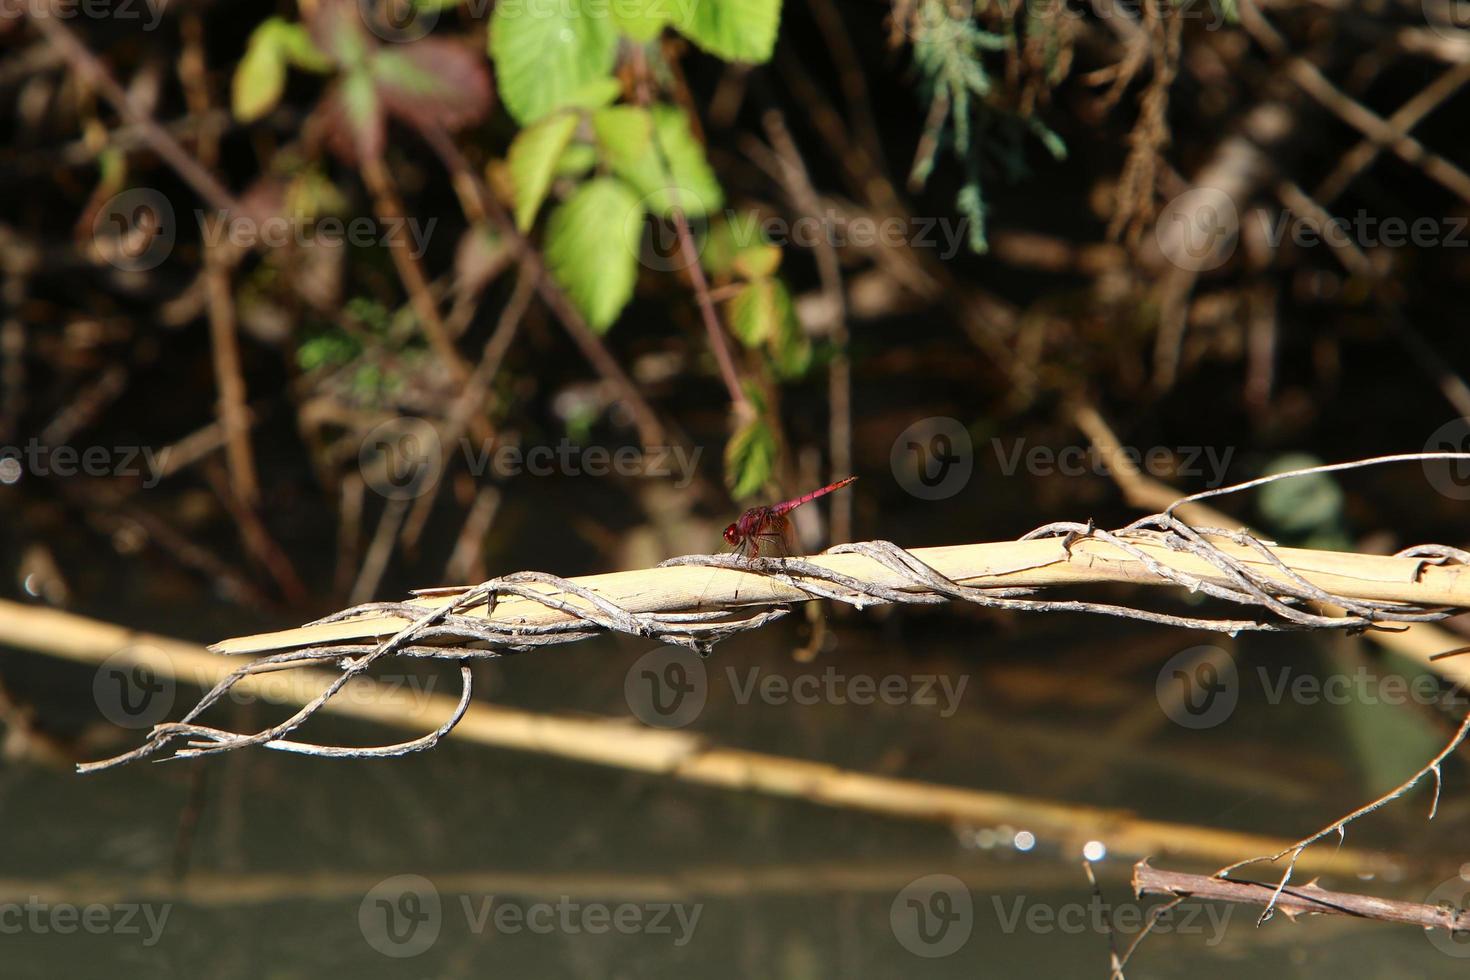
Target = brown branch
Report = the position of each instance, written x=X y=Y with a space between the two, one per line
x=798 y=183
x=1309 y=899
x=51 y=25
x=389 y=211
x=1311 y=80
x=651 y=431
x=234 y=415
x=719 y=342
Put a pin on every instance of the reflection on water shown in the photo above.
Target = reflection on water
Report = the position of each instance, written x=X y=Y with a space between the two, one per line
x=472 y=861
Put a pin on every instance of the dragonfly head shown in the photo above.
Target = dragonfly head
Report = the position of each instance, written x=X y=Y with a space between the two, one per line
x=732 y=535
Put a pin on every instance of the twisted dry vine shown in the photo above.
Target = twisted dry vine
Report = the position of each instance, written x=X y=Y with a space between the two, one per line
x=1283 y=601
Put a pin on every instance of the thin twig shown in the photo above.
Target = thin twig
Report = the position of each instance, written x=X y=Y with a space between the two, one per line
x=229 y=380
x=1309 y=899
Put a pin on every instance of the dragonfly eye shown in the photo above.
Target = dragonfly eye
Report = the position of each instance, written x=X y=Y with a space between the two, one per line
x=732 y=535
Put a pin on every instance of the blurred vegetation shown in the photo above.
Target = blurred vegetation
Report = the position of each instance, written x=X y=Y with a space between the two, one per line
x=783 y=231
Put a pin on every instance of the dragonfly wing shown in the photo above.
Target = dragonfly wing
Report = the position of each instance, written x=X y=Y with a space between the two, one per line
x=778 y=539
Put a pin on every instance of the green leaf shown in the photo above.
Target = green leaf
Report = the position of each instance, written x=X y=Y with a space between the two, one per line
x=758 y=261
x=532 y=160
x=547 y=51
x=433 y=81
x=261 y=75
x=791 y=349
x=357 y=104
x=596 y=94
x=338 y=29
x=750 y=458
x=729 y=236
x=749 y=313
x=578 y=159
x=592 y=243
x=296 y=44
x=736 y=30
x=762 y=314
x=624 y=132
x=642 y=20
x=1302 y=504
x=676 y=170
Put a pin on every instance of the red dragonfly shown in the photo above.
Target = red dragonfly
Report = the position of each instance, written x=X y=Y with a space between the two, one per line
x=768 y=525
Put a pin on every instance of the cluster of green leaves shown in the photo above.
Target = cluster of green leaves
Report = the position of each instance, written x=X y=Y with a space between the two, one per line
x=949 y=49
x=601 y=168
x=371 y=373
x=760 y=311
x=260 y=78
x=554 y=62
x=627 y=162
x=547 y=52
x=428 y=82
x=742 y=260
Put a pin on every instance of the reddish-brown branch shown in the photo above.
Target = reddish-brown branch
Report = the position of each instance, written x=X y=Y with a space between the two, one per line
x=1308 y=899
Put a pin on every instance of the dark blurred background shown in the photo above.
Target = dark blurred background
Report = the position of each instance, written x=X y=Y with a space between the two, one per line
x=1235 y=233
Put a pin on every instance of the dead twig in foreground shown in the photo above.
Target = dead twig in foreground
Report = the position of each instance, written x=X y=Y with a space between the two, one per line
x=526 y=610
x=1308 y=899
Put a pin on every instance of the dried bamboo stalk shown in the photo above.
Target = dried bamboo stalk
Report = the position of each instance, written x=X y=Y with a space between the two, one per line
x=681 y=755
x=1042 y=563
